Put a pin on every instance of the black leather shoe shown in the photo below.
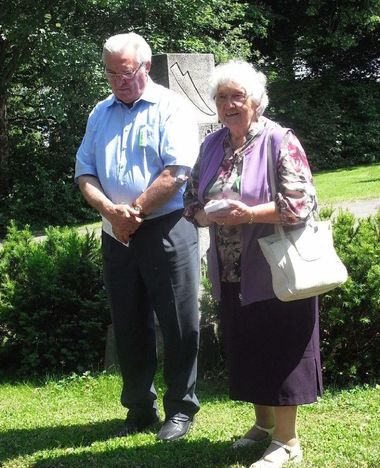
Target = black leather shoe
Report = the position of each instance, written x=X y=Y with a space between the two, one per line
x=175 y=427
x=134 y=425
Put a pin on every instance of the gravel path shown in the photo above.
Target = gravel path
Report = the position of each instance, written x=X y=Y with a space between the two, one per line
x=361 y=208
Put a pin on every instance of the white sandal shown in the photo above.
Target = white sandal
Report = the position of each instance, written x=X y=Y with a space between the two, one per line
x=278 y=454
x=245 y=442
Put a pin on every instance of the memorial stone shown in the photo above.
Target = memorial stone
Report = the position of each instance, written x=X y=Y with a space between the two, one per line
x=187 y=74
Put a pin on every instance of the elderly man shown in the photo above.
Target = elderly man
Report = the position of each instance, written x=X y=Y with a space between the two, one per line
x=139 y=147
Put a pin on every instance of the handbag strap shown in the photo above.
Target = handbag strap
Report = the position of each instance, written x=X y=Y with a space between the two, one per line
x=271 y=173
x=272 y=181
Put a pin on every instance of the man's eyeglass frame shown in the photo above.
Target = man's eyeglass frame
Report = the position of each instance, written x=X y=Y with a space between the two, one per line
x=129 y=75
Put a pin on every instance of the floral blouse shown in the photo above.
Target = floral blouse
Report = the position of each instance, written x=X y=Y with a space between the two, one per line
x=296 y=199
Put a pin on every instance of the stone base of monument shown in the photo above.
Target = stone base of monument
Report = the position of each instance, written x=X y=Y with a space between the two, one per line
x=211 y=360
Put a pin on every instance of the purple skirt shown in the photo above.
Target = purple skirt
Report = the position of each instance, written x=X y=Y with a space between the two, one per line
x=272 y=349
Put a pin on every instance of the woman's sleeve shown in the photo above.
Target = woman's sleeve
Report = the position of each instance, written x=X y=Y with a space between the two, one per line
x=191 y=201
x=296 y=199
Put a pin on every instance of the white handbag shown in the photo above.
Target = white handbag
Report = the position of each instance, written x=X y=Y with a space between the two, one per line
x=303 y=261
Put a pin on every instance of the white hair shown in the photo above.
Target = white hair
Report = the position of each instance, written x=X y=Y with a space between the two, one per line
x=244 y=75
x=120 y=42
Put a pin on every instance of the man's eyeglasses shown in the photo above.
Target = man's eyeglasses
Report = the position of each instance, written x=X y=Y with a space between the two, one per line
x=237 y=98
x=128 y=74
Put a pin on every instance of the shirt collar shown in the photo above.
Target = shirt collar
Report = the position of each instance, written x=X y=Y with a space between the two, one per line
x=150 y=92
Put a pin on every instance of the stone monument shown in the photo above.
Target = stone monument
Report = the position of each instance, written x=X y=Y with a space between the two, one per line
x=187 y=74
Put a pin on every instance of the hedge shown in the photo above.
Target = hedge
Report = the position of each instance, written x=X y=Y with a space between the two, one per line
x=54 y=311
x=53 y=307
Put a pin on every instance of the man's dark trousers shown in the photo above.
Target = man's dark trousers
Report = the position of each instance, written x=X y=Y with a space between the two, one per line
x=158 y=271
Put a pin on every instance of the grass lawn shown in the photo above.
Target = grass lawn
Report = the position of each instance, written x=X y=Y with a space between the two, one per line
x=356 y=183
x=68 y=423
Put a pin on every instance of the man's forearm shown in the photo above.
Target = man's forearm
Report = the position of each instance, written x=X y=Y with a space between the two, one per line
x=94 y=195
x=161 y=190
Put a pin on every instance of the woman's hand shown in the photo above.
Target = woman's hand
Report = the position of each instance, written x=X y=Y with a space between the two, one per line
x=237 y=213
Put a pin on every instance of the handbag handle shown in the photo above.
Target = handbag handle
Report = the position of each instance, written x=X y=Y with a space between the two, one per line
x=278 y=228
x=272 y=181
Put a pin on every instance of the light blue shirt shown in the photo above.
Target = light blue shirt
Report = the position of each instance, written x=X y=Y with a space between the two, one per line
x=128 y=148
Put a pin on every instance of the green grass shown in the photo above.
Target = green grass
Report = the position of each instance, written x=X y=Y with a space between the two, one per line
x=68 y=423
x=96 y=226
x=356 y=183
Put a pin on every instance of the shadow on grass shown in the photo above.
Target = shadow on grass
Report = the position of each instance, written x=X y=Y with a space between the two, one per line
x=112 y=452
x=193 y=454
x=21 y=442
x=366 y=181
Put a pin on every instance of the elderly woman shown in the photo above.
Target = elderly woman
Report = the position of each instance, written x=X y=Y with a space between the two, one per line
x=272 y=347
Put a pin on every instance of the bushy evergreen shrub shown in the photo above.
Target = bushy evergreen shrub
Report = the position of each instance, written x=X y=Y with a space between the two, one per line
x=53 y=308
x=350 y=315
x=54 y=313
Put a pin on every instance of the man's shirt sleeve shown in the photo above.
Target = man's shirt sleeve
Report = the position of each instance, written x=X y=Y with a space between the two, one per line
x=179 y=144
x=85 y=157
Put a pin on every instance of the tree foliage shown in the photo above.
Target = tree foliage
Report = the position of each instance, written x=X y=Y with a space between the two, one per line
x=50 y=56
x=321 y=58
x=342 y=38
x=318 y=37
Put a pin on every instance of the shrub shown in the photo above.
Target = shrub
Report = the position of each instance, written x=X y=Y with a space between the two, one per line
x=350 y=315
x=53 y=308
x=211 y=362
x=56 y=199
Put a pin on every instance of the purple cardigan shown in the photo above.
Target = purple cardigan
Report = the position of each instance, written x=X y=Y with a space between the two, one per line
x=256 y=279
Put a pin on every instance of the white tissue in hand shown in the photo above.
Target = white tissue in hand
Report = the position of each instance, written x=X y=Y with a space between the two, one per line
x=216 y=205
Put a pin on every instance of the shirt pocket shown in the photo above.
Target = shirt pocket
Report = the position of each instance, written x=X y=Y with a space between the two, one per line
x=149 y=141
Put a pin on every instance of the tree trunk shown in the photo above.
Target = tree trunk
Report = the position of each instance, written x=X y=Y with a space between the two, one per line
x=4 y=146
